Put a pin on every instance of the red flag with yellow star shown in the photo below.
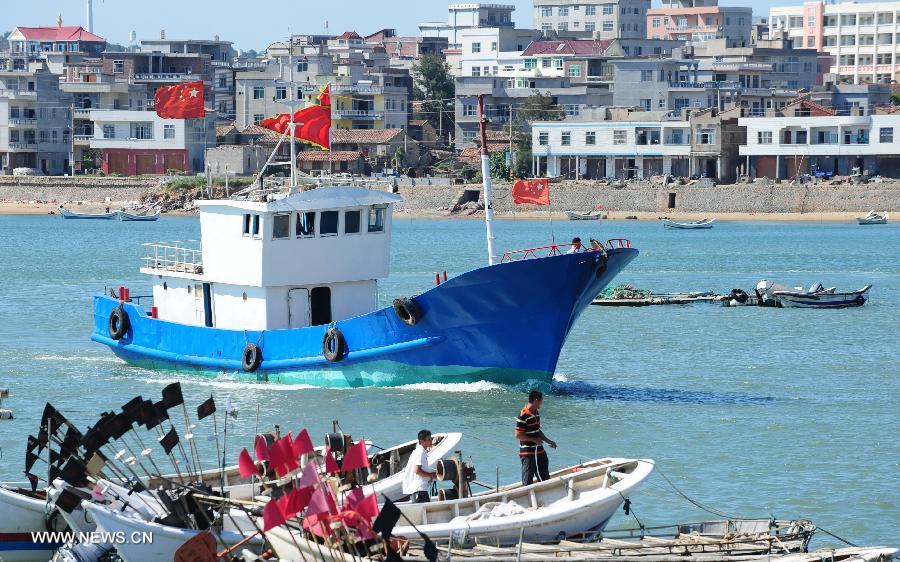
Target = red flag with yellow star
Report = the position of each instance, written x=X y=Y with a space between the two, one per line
x=311 y=124
x=182 y=101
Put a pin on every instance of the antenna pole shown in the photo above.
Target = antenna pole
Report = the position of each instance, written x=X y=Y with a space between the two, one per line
x=486 y=185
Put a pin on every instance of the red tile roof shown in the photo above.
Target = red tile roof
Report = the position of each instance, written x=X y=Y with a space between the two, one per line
x=570 y=47
x=64 y=33
x=364 y=136
x=263 y=135
x=333 y=156
x=349 y=35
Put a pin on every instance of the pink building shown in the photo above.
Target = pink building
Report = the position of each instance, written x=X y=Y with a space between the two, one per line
x=696 y=21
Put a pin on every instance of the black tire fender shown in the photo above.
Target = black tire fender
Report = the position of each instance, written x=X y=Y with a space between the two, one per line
x=408 y=310
x=118 y=323
x=334 y=346
x=251 y=358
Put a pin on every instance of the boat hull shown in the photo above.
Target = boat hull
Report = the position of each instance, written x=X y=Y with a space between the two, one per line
x=66 y=214
x=697 y=225
x=129 y=217
x=20 y=516
x=505 y=323
x=592 y=216
x=822 y=300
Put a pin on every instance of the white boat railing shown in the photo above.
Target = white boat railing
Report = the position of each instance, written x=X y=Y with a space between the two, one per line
x=176 y=256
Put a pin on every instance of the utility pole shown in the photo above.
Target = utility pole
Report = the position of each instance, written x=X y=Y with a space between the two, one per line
x=512 y=155
x=486 y=182
x=72 y=138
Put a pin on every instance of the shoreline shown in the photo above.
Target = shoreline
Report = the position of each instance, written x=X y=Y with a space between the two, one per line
x=11 y=208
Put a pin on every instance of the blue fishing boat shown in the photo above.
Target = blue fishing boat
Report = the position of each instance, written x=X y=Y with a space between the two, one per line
x=284 y=288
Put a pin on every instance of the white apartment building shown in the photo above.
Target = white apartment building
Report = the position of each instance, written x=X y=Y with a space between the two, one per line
x=593 y=19
x=779 y=147
x=493 y=51
x=468 y=15
x=863 y=39
x=611 y=149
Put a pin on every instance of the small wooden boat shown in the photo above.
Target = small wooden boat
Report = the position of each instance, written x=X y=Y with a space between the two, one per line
x=824 y=298
x=21 y=513
x=702 y=223
x=590 y=216
x=67 y=214
x=146 y=216
x=873 y=218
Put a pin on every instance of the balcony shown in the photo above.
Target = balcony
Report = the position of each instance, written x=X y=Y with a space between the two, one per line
x=81 y=113
x=25 y=146
x=19 y=94
x=741 y=66
x=20 y=122
x=687 y=85
x=363 y=114
x=83 y=140
x=173 y=257
x=166 y=77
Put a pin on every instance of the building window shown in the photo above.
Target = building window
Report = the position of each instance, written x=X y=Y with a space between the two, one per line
x=646 y=76
x=706 y=136
x=306 y=225
x=256 y=226
x=281 y=226
x=303 y=66
x=142 y=131
x=546 y=27
x=246 y=231
x=557 y=63
x=543 y=139
x=351 y=222
x=530 y=64
x=169 y=132
x=563 y=11
x=376 y=219
x=608 y=25
x=590 y=10
x=493 y=45
x=590 y=138
x=280 y=93
x=545 y=63
x=118 y=67
x=328 y=225
x=476 y=71
x=655 y=22
x=764 y=137
x=476 y=47
x=562 y=26
x=575 y=71
x=810 y=21
x=546 y=11
x=43 y=136
x=470 y=110
x=109 y=131
x=620 y=136
x=259 y=92
x=258 y=118
x=608 y=9
x=590 y=27
x=810 y=42
x=886 y=134
x=566 y=138
x=646 y=104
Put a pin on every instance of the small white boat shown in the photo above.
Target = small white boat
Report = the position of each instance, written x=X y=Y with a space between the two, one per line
x=821 y=298
x=590 y=216
x=702 y=223
x=873 y=218
x=67 y=214
x=138 y=217
x=21 y=513
x=147 y=541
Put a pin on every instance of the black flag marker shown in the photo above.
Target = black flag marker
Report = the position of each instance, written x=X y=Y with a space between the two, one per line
x=386 y=519
x=171 y=395
x=33 y=480
x=169 y=441
x=206 y=409
x=54 y=456
x=74 y=473
x=146 y=415
x=132 y=408
x=161 y=413
x=30 y=459
x=68 y=501
x=33 y=443
x=392 y=556
x=430 y=549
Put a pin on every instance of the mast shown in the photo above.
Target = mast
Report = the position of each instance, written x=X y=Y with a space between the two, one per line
x=291 y=109
x=89 y=15
x=486 y=182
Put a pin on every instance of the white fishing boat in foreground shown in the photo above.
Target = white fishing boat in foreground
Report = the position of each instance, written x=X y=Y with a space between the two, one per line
x=873 y=218
x=589 y=216
x=21 y=513
x=702 y=223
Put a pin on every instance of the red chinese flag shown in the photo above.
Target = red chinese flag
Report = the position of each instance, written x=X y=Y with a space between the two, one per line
x=313 y=124
x=272 y=515
x=325 y=96
x=356 y=457
x=183 y=101
x=279 y=123
x=302 y=444
x=246 y=465
x=531 y=192
x=331 y=466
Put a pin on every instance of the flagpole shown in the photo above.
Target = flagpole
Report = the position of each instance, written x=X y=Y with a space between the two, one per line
x=486 y=182
x=291 y=106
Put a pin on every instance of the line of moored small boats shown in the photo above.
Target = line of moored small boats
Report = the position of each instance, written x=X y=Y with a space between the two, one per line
x=105 y=496
x=122 y=215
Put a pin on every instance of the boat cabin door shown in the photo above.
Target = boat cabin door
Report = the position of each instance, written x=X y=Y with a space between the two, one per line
x=298 y=308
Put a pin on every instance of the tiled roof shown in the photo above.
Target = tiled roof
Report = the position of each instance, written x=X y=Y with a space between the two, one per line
x=223 y=130
x=264 y=135
x=349 y=35
x=570 y=47
x=364 y=136
x=332 y=156
x=63 y=33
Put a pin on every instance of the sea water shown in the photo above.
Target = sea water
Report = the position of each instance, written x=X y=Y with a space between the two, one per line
x=748 y=411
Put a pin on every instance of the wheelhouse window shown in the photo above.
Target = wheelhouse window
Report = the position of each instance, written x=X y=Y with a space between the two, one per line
x=256 y=226
x=329 y=224
x=246 y=231
x=306 y=225
x=351 y=222
x=376 y=219
x=281 y=226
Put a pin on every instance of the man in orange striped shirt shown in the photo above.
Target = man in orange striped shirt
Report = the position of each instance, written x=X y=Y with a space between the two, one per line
x=531 y=440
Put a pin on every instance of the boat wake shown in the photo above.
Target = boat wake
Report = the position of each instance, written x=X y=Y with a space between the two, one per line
x=613 y=393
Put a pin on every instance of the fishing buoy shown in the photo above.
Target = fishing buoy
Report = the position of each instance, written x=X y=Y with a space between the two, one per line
x=4 y=414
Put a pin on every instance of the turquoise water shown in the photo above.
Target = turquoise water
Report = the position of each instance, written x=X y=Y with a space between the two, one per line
x=754 y=412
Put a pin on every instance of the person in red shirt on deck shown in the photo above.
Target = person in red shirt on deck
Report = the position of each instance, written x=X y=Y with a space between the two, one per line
x=531 y=440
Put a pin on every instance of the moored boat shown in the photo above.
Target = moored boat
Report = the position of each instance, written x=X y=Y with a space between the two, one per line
x=67 y=214
x=23 y=512
x=698 y=224
x=873 y=218
x=823 y=298
x=589 y=216
x=138 y=217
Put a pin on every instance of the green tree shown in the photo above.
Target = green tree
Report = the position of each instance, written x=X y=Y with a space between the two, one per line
x=499 y=169
x=536 y=107
x=895 y=98
x=434 y=90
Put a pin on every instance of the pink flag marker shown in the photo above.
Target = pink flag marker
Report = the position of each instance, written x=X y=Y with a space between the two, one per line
x=356 y=457
x=309 y=476
x=302 y=444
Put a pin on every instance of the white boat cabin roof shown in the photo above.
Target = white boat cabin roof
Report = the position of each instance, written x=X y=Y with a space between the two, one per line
x=338 y=197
